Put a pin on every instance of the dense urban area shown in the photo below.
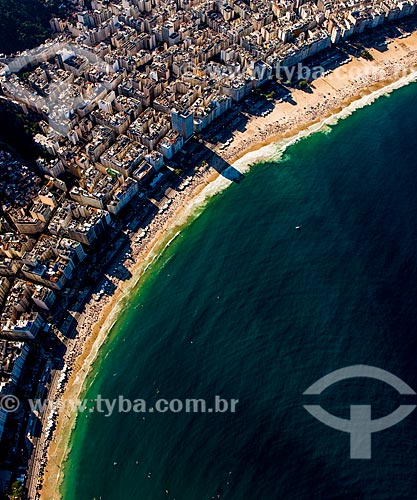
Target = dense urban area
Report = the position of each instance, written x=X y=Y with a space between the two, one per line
x=125 y=101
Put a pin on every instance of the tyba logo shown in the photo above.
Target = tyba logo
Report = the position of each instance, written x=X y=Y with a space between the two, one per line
x=360 y=426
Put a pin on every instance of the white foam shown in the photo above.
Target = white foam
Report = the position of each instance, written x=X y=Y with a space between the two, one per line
x=272 y=151
x=275 y=150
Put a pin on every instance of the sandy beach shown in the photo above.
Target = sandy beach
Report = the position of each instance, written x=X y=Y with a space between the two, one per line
x=352 y=85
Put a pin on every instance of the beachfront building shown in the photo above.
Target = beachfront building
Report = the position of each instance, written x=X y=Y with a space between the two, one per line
x=183 y=123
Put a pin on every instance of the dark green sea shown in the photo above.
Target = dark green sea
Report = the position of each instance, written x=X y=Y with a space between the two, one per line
x=244 y=306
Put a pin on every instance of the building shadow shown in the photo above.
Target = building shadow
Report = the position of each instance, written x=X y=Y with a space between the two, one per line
x=201 y=155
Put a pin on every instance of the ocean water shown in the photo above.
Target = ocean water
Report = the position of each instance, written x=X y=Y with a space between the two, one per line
x=243 y=305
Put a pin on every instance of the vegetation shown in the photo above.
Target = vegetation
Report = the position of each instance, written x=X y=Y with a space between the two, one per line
x=17 y=490
x=24 y=24
x=17 y=130
x=367 y=55
x=303 y=84
x=264 y=94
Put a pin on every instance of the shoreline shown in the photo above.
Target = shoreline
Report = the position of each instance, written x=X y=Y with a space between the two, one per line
x=334 y=96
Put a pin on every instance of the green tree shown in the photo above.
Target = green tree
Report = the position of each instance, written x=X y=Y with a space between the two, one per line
x=17 y=490
x=367 y=55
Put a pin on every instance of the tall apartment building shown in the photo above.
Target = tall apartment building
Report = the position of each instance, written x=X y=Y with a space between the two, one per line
x=183 y=122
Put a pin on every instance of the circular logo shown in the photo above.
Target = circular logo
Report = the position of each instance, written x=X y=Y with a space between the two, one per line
x=9 y=403
x=360 y=426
